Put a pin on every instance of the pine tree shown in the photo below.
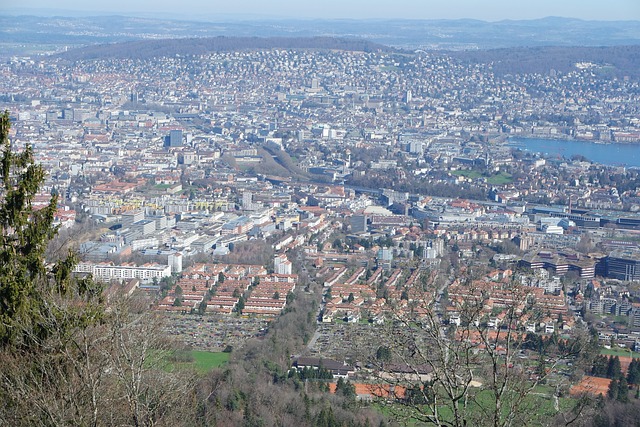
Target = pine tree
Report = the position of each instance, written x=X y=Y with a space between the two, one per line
x=45 y=312
x=614 y=370
x=612 y=392
x=28 y=287
x=600 y=364
x=633 y=374
x=623 y=390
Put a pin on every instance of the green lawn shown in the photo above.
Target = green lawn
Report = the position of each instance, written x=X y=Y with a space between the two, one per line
x=539 y=406
x=201 y=361
x=497 y=179
x=467 y=174
x=500 y=179
x=619 y=352
x=206 y=360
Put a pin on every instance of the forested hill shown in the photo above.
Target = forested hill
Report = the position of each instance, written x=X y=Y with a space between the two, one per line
x=144 y=49
x=616 y=61
x=613 y=61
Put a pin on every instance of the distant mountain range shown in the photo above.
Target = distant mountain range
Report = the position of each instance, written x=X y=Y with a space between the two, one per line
x=20 y=33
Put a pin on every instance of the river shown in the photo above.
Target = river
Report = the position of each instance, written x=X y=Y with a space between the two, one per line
x=611 y=154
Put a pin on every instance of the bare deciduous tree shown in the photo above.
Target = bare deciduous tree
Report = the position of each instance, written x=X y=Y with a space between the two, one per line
x=114 y=372
x=461 y=367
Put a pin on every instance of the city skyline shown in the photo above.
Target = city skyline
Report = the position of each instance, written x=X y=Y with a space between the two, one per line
x=496 y=10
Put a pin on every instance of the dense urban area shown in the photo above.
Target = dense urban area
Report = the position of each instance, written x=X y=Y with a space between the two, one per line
x=346 y=221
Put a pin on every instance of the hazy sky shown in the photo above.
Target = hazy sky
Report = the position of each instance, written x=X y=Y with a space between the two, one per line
x=490 y=10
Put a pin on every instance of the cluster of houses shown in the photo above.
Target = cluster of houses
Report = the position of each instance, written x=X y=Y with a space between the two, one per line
x=227 y=288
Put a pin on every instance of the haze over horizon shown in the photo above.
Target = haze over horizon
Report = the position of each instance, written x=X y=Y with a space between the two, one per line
x=495 y=10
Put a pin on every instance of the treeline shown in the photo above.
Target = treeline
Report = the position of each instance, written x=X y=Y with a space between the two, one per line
x=147 y=49
x=408 y=183
x=625 y=60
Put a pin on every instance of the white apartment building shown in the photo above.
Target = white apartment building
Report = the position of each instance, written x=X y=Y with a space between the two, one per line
x=106 y=271
x=282 y=265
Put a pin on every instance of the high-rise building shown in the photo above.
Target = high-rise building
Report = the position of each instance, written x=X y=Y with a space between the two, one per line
x=175 y=261
x=281 y=265
x=174 y=139
x=247 y=200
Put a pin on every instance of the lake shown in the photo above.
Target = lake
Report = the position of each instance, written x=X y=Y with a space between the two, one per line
x=612 y=154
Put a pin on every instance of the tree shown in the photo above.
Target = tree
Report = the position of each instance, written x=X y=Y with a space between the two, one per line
x=41 y=307
x=346 y=389
x=585 y=244
x=612 y=392
x=383 y=354
x=477 y=377
x=138 y=360
x=623 y=390
x=290 y=297
x=600 y=364
x=614 y=370
x=240 y=305
x=633 y=374
x=64 y=358
x=202 y=307
x=25 y=281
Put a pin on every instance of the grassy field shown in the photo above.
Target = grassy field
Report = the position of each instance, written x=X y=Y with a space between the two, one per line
x=619 y=352
x=538 y=407
x=467 y=174
x=201 y=361
x=500 y=179
x=205 y=361
x=497 y=179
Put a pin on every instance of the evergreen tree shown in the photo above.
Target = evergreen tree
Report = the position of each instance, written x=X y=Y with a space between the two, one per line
x=623 y=390
x=326 y=418
x=614 y=370
x=29 y=290
x=600 y=364
x=240 y=305
x=202 y=307
x=346 y=389
x=612 y=392
x=633 y=374
x=383 y=354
